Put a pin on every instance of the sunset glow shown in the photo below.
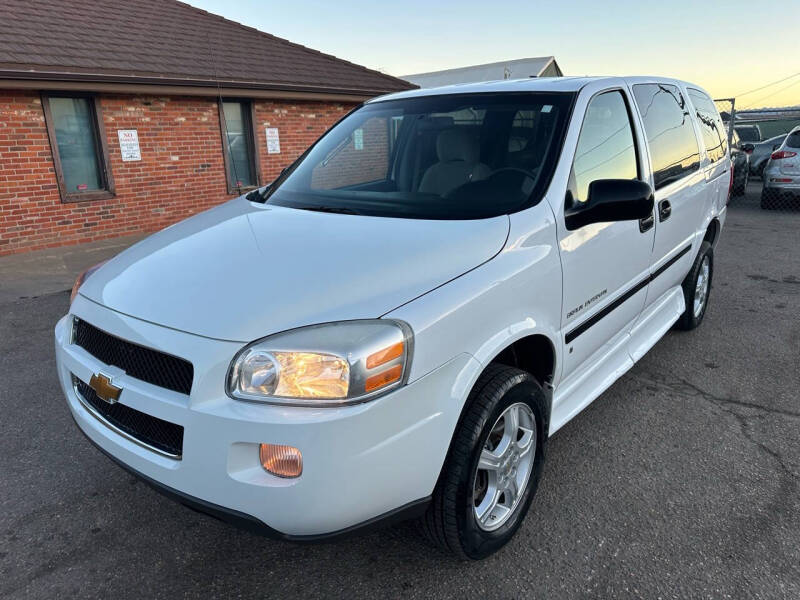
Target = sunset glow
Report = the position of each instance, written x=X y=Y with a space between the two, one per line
x=727 y=47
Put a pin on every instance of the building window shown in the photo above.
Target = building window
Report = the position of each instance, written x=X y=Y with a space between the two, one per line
x=77 y=140
x=239 y=146
x=360 y=159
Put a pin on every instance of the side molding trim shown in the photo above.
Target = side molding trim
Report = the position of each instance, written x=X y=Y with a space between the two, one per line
x=595 y=318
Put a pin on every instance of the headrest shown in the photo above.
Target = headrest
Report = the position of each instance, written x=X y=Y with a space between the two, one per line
x=457 y=144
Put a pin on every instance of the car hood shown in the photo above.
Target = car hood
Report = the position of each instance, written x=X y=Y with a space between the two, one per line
x=244 y=270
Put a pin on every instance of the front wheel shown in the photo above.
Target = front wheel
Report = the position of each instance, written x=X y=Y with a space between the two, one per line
x=696 y=288
x=493 y=467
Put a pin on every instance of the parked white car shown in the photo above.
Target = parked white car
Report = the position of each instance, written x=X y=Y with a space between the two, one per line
x=782 y=173
x=396 y=326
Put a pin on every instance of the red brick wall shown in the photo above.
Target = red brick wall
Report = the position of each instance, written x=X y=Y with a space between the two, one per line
x=352 y=166
x=181 y=172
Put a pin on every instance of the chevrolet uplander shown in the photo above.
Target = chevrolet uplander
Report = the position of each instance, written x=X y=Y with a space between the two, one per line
x=396 y=325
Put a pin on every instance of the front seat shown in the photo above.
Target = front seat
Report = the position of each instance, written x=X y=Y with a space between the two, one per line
x=459 y=163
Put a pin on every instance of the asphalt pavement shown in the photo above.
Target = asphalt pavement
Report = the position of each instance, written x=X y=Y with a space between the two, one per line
x=680 y=481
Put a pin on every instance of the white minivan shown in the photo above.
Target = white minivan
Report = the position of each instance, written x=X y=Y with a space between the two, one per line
x=396 y=325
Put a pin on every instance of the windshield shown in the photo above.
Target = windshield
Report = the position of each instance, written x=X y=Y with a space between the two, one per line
x=432 y=157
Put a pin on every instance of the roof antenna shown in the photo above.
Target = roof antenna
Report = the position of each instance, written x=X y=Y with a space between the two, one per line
x=224 y=123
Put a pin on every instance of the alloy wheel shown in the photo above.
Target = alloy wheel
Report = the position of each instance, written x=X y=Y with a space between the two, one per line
x=701 y=287
x=504 y=466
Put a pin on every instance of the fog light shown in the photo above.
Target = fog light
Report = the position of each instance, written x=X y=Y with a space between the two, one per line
x=283 y=461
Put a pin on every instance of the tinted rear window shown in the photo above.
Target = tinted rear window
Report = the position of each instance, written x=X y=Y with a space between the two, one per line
x=714 y=134
x=793 y=140
x=674 y=152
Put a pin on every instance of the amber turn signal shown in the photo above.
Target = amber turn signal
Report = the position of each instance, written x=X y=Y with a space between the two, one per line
x=383 y=356
x=383 y=378
x=283 y=461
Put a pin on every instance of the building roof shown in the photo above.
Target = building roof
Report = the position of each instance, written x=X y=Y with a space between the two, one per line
x=509 y=69
x=165 y=42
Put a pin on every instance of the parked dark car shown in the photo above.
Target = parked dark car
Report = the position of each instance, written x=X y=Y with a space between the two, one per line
x=749 y=133
x=761 y=153
x=741 y=165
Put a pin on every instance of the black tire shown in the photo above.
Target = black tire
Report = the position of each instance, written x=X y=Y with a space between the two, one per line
x=768 y=199
x=450 y=521
x=741 y=188
x=689 y=320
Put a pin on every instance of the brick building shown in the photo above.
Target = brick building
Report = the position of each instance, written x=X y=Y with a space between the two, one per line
x=118 y=118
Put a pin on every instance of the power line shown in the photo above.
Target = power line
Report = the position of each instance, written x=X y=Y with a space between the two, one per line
x=769 y=85
x=783 y=89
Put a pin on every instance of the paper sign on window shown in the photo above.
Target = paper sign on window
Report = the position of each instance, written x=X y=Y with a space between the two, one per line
x=129 y=144
x=358 y=139
x=273 y=141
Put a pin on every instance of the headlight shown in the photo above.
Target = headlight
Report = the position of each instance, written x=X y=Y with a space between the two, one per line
x=81 y=278
x=330 y=364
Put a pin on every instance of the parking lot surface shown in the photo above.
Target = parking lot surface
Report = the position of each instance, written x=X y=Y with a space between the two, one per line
x=680 y=481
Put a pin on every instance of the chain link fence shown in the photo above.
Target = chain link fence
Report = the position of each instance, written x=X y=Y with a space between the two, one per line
x=766 y=163
x=727 y=110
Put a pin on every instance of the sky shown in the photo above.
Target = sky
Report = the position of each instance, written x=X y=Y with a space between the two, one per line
x=729 y=47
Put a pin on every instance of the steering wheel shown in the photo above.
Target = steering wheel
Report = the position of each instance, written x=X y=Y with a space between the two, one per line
x=507 y=175
x=507 y=181
x=525 y=172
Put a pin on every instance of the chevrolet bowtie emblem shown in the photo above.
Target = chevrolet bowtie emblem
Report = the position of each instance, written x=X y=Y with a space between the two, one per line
x=104 y=389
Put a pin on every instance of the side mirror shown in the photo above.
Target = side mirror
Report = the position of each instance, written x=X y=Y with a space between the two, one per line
x=612 y=200
x=748 y=147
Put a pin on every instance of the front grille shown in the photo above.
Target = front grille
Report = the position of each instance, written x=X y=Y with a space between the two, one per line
x=151 y=431
x=137 y=361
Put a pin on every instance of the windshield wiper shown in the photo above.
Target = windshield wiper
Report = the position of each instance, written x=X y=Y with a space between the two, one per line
x=331 y=209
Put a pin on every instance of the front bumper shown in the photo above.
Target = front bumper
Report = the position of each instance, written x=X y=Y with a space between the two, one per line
x=361 y=462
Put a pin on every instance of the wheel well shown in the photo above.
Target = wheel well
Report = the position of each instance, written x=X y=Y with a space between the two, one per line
x=712 y=232
x=534 y=354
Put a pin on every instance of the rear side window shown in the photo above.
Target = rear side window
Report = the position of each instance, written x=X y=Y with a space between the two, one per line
x=710 y=124
x=606 y=148
x=674 y=152
x=793 y=139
